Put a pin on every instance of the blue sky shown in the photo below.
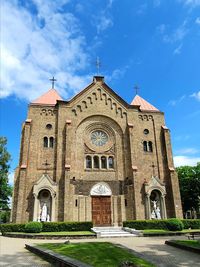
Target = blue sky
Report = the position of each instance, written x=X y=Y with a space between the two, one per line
x=152 y=43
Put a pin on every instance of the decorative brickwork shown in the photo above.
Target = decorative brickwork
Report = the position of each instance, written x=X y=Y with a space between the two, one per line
x=95 y=125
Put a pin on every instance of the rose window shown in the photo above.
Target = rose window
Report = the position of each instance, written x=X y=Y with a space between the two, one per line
x=99 y=138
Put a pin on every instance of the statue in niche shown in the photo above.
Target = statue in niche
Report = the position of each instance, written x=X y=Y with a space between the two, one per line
x=155 y=214
x=158 y=213
x=43 y=216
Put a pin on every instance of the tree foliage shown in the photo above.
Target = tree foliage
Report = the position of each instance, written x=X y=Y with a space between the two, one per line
x=5 y=188
x=189 y=181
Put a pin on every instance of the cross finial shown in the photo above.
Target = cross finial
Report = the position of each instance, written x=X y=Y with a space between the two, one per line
x=98 y=65
x=136 y=87
x=46 y=164
x=153 y=167
x=53 y=80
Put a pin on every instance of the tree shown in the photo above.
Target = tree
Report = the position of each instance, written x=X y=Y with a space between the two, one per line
x=189 y=181
x=5 y=188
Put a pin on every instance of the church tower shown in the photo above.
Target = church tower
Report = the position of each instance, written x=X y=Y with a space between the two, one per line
x=95 y=158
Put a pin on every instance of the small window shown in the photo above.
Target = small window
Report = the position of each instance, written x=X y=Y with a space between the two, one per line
x=146 y=131
x=103 y=162
x=150 y=146
x=51 y=142
x=88 y=162
x=49 y=126
x=45 y=144
x=111 y=163
x=96 y=162
x=145 y=146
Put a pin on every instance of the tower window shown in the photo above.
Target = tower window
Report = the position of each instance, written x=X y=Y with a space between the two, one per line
x=49 y=126
x=150 y=146
x=45 y=143
x=51 y=142
x=88 y=162
x=145 y=146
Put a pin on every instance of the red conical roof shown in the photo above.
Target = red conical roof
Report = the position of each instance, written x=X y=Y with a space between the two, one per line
x=144 y=105
x=49 y=98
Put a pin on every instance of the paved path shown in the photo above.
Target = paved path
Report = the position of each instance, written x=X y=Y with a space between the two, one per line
x=13 y=253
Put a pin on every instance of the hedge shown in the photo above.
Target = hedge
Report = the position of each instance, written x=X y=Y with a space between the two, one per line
x=172 y=224
x=12 y=227
x=33 y=227
x=66 y=226
x=49 y=226
x=191 y=223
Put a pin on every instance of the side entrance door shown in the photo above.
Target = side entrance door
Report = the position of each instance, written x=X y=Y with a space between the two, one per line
x=101 y=210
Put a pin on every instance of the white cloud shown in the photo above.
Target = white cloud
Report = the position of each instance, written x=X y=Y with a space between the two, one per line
x=178 y=34
x=192 y=3
x=177 y=51
x=196 y=95
x=186 y=151
x=177 y=101
x=11 y=178
x=184 y=160
x=161 y=28
x=36 y=46
x=197 y=20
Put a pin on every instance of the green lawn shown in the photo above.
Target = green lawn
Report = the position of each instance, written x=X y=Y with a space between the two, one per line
x=160 y=231
x=58 y=233
x=97 y=254
x=188 y=243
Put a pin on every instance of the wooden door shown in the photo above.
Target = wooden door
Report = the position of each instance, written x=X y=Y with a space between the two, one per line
x=101 y=211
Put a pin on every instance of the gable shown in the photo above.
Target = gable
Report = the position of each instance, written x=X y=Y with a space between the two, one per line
x=96 y=92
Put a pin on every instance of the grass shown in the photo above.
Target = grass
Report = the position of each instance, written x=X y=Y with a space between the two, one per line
x=88 y=233
x=188 y=243
x=97 y=254
x=161 y=231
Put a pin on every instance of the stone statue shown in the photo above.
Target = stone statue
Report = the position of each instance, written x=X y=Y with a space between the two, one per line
x=154 y=204
x=158 y=213
x=43 y=216
x=153 y=215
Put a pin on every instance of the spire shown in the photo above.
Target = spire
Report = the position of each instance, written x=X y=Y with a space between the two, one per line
x=49 y=98
x=144 y=105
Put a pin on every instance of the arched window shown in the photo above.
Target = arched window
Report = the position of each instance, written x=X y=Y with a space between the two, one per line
x=51 y=142
x=103 y=162
x=145 y=146
x=88 y=162
x=150 y=146
x=45 y=143
x=111 y=163
x=96 y=162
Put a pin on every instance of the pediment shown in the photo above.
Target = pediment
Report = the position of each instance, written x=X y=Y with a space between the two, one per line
x=155 y=184
x=98 y=93
x=45 y=182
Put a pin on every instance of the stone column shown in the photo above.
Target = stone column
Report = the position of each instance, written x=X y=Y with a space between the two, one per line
x=35 y=209
x=163 y=207
x=53 y=212
x=148 y=207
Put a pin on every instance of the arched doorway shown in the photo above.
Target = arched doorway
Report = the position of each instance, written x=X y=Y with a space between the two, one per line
x=101 y=204
x=45 y=205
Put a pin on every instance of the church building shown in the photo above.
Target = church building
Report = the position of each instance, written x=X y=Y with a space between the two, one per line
x=95 y=158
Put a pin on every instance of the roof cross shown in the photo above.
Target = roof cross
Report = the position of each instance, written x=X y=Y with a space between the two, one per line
x=46 y=164
x=153 y=167
x=98 y=65
x=136 y=87
x=53 y=80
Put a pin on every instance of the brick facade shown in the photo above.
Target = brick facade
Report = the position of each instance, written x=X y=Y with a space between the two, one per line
x=67 y=178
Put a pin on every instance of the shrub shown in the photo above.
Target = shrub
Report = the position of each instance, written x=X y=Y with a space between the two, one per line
x=66 y=226
x=191 y=223
x=174 y=224
x=168 y=224
x=4 y=216
x=12 y=227
x=33 y=227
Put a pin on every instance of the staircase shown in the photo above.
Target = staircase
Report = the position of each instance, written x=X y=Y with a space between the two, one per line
x=112 y=232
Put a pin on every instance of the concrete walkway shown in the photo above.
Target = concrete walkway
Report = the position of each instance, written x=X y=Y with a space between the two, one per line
x=152 y=248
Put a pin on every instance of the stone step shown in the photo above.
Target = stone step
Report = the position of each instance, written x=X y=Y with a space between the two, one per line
x=112 y=232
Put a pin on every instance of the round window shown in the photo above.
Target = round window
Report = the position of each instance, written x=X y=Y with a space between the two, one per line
x=49 y=126
x=146 y=131
x=99 y=138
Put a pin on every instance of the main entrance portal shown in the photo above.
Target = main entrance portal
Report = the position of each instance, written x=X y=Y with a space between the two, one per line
x=101 y=210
